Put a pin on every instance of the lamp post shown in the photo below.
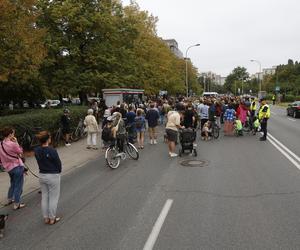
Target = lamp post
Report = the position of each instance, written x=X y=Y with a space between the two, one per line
x=260 y=80
x=186 y=68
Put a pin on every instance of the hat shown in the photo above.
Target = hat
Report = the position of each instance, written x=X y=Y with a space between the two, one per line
x=262 y=99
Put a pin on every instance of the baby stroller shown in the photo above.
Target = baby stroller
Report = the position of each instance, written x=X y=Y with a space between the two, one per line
x=187 y=137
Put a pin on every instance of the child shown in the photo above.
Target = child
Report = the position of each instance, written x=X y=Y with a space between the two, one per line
x=238 y=127
x=206 y=131
x=256 y=125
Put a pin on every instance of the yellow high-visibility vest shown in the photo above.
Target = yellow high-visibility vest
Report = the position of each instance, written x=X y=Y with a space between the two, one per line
x=264 y=112
x=253 y=106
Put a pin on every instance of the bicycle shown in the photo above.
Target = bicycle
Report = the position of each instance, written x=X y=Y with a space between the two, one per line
x=113 y=156
x=215 y=130
x=28 y=140
x=57 y=138
x=79 y=132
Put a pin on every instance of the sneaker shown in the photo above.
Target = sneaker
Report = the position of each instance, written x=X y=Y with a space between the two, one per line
x=151 y=142
x=154 y=142
x=173 y=155
x=262 y=139
x=68 y=144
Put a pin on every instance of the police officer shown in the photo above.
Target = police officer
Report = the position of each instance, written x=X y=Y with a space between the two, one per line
x=263 y=116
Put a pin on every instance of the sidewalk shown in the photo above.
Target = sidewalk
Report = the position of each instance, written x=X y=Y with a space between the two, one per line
x=72 y=157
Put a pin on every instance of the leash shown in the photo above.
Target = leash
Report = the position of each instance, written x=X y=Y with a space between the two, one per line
x=30 y=171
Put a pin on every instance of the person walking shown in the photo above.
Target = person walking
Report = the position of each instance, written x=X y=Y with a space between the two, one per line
x=140 y=126
x=49 y=176
x=264 y=114
x=152 y=117
x=92 y=129
x=10 y=159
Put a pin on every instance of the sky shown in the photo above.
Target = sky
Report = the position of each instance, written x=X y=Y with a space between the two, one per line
x=230 y=32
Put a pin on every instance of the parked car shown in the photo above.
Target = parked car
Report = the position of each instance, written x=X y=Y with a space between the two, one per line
x=76 y=101
x=50 y=103
x=293 y=109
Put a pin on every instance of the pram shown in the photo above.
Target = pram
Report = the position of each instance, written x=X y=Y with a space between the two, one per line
x=187 y=137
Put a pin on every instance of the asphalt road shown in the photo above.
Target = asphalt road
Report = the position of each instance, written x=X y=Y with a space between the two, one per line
x=247 y=196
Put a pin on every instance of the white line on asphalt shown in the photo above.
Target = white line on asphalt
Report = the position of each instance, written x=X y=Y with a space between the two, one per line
x=293 y=120
x=158 y=225
x=285 y=148
x=284 y=153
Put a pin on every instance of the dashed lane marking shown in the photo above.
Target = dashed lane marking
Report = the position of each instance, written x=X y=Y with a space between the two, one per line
x=158 y=225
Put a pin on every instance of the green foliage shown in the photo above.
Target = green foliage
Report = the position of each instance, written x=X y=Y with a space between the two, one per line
x=287 y=77
x=233 y=81
x=77 y=47
x=21 y=50
x=46 y=119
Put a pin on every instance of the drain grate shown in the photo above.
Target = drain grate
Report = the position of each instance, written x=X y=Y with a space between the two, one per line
x=194 y=163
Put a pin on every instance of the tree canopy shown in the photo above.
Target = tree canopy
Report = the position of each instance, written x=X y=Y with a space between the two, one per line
x=75 y=47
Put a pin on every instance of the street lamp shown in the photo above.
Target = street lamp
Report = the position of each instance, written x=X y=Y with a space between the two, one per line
x=260 y=80
x=186 y=68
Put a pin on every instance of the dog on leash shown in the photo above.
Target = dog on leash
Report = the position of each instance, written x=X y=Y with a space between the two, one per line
x=3 y=218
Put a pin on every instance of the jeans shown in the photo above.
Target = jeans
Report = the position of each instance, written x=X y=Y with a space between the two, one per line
x=50 y=186
x=16 y=184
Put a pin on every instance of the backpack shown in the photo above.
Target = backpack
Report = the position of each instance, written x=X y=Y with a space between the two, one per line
x=139 y=122
x=106 y=134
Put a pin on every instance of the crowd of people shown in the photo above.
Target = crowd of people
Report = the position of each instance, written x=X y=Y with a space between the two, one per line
x=234 y=114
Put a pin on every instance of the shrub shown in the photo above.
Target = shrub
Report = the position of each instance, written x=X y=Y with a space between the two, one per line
x=289 y=98
x=47 y=119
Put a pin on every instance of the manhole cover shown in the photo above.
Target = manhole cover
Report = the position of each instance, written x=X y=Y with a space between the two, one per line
x=194 y=163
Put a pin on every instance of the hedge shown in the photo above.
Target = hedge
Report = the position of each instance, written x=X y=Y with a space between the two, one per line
x=47 y=119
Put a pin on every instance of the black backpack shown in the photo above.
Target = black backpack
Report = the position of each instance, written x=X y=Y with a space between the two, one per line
x=106 y=134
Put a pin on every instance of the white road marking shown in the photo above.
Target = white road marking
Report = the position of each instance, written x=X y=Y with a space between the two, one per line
x=158 y=225
x=284 y=153
x=285 y=148
x=293 y=120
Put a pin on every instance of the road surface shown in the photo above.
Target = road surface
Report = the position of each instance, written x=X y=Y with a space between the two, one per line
x=246 y=196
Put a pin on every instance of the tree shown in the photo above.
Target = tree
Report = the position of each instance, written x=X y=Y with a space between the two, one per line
x=21 y=50
x=235 y=79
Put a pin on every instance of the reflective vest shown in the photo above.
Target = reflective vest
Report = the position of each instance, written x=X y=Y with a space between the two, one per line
x=264 y=112
x=253 y=106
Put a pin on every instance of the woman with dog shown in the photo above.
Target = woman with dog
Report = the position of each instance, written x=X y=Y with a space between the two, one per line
x=10 y=158
x=50 y=169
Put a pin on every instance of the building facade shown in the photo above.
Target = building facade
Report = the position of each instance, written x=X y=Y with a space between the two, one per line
x=173 y=45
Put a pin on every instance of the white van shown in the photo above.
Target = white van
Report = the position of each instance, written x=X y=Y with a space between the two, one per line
x=210 y=94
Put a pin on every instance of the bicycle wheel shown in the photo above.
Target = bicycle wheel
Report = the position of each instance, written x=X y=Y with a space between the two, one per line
x=216 y=132
x=112 y=160
x=131 y=150
x=56 y=138
x=75 y=135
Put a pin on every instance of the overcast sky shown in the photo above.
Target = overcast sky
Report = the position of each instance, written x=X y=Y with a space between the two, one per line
x=231 y=32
